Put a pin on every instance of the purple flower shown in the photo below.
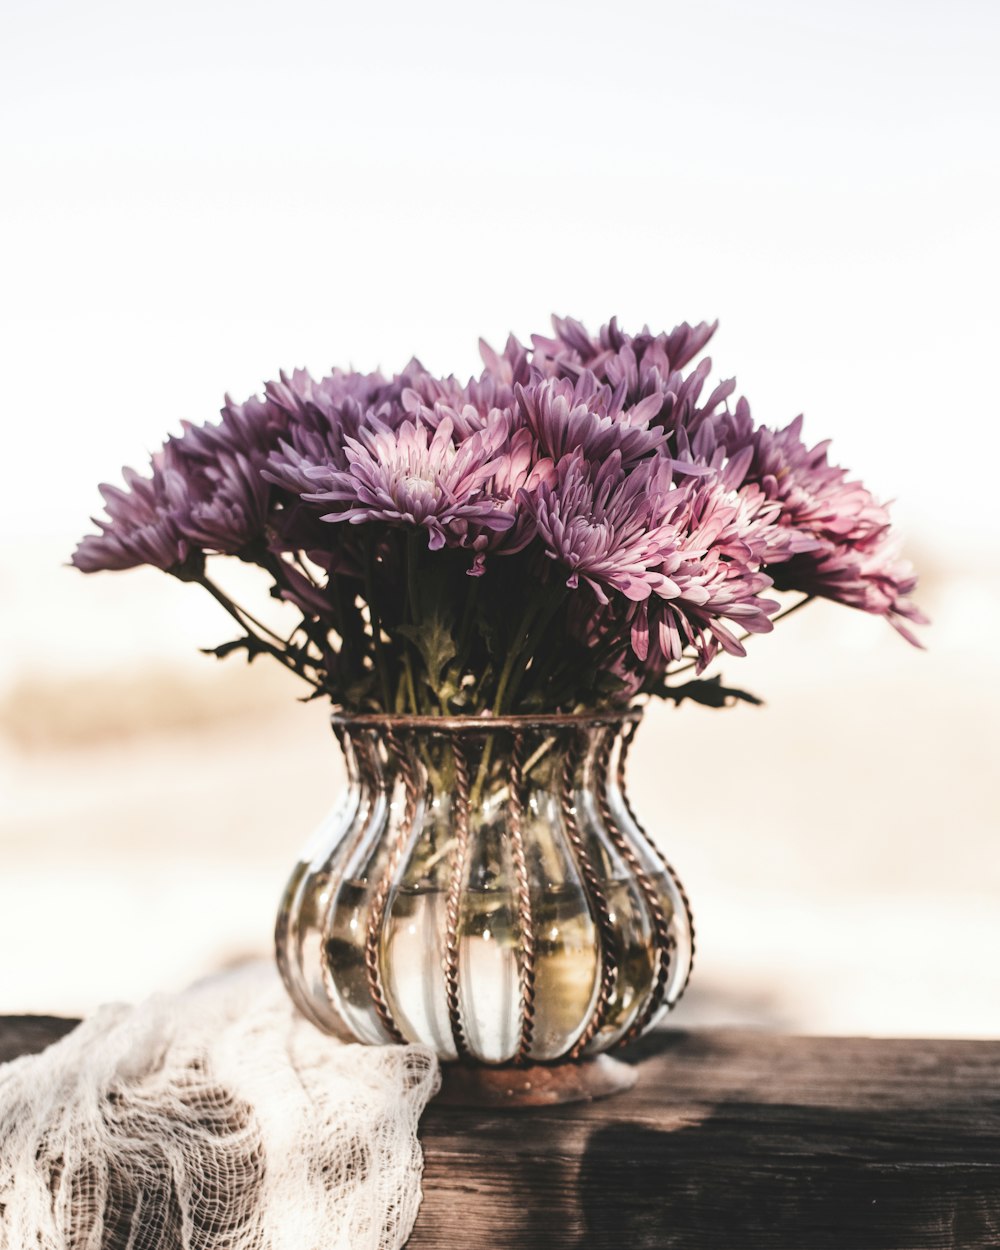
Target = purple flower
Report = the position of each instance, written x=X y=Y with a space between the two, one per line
x=851 y=558
x=610 y=460
x=693 y=425
x=220 y=504
x=139 y=529
x=588 y=417
x=470 y=406
x=212 y=476
x=520 y=474
x=322 y=415
x=721 y=538
x=868 y=575
x=815 y=495
x=409 y=477
x=331 y=424
x=205 y=492
x=642 y=360
x=605 y=525
x=251 y=429
x=508 y=367
x=645 y=374
x=714 y=594
x=572 y=341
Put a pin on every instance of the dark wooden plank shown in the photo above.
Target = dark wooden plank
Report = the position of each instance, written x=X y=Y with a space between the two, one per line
x=26 y=1035
x=733 y=1141
x=730 y=1141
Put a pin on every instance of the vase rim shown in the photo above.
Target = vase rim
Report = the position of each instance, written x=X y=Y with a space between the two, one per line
x=485 y=724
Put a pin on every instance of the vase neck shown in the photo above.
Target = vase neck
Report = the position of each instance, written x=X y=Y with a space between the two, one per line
x=543 y=752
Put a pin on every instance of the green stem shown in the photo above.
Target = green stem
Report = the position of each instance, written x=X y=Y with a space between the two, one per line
x=351 y=623
x=537 y=616
x=411 y=651
x=376 y=624
x=518 y=644
x=410 y=684
x=412 y=581
x=465 y=628
x=312 y=625
x=541 y=624
x=224 y=599
x=244 y=619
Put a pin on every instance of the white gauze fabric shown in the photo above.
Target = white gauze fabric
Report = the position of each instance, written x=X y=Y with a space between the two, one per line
x=214 y=1118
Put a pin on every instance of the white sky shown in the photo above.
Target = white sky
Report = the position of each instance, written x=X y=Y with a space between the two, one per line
x=199 y=194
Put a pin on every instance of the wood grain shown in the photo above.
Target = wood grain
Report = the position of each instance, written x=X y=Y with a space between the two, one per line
x=26 y=1035
x=729 y=1141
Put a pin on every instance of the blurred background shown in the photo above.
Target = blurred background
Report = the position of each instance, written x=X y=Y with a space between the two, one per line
x=198 y=195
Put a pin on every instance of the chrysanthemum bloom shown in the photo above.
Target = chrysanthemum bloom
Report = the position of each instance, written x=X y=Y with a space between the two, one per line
x=508 y=367
x=469 y=405
x=868 y=575
x=465 y=418
x=520 y=473
x=215 y=488
x=746 y=522
x=321 y=405
x=605 y=526
x=323 y=415
x=588 y=417
x=205 y=492
x=829 y=534
x=853 y=561
x=609 y=460
x=714 y=595
x=408 y=477
x=251 y=429
x=815 y=495
x=646 y=369
x=139 y=529
x=221 y=505
x=572 y=349
x=719 y=538
x=212 y=476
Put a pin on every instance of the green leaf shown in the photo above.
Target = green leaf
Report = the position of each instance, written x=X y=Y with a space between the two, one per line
x=709 y=691
x=434 y=639
x=252 y=646
x=361 y=692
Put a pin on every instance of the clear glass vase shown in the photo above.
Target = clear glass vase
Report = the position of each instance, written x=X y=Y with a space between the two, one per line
x=484 y=888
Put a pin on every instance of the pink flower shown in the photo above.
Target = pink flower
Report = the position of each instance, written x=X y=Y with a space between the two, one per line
x=605 y=525
x=852 y=559
x=409 y=477
x=139 y=529
x=588 y=417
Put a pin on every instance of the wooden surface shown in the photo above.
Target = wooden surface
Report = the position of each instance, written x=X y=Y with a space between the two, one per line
x=729 y=1141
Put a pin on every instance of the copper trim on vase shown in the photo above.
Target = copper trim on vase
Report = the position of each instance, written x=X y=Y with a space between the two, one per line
x=458 y=863
x=656 y=999
x=488 y=724
x=526 y=931
x=356 y=753
x=376 y=916
x=647 y=888
x=597 y=899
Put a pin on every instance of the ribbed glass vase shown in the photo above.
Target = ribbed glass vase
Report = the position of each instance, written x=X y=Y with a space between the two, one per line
x=484 y=888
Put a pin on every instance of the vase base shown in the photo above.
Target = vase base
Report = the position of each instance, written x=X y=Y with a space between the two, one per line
x=536 y=1085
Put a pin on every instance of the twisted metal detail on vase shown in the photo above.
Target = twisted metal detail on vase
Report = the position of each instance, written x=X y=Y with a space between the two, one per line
x=484 y=888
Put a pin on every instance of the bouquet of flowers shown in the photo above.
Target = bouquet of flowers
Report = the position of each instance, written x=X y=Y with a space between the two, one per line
x=575 y=528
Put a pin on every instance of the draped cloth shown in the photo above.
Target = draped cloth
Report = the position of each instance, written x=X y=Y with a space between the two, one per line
x=215 y=1118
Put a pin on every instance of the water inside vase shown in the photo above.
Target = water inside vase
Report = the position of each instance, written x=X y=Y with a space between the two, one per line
x=413 y=952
